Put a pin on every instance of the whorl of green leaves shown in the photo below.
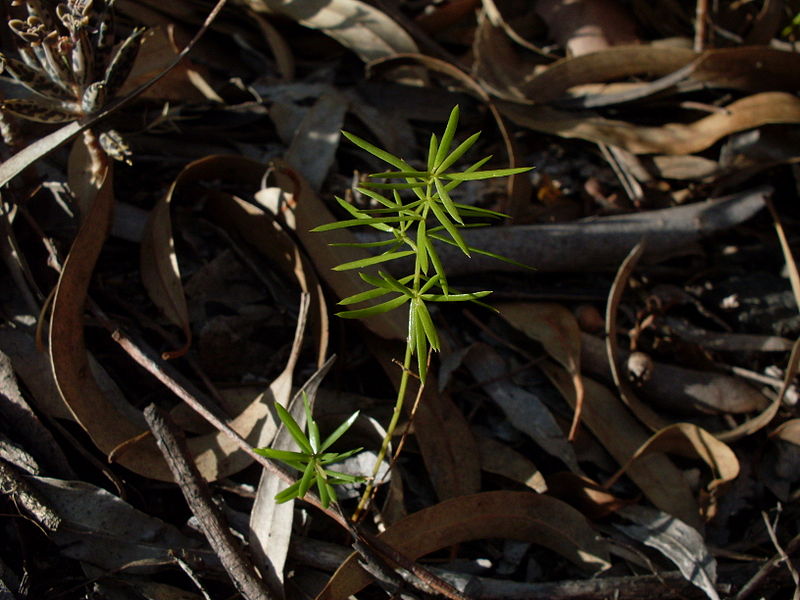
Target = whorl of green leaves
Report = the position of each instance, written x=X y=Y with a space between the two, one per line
x=412 y=224
x=312 y=459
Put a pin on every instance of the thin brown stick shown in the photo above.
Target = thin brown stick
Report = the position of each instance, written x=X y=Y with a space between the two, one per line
x=700 y=25
x=763 y=574
x=155 y=369
x=172 y=444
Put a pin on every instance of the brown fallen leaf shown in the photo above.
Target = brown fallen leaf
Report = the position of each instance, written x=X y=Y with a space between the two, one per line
x=362 y=28
x=521 y=516
x=621 y=434
x=687 y=439
x=523 y=409
x=501 y=459
x=555 y=327
x=584 y=26
x=671 y=138
x=109 y=426
x=588 y=496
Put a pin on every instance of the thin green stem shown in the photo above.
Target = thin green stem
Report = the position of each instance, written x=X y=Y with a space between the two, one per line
x=398 y=410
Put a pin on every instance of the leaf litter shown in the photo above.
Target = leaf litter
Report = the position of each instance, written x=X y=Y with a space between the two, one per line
x=236 y=155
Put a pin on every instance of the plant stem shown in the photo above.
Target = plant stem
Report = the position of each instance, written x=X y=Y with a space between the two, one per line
x=387 y=439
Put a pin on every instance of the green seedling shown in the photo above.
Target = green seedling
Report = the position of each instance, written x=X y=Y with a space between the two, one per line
x=312 y=460
x=414 y=209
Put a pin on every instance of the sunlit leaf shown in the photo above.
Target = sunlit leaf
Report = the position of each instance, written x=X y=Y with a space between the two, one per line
x=447 y=201
x=455 y=297
x=311 y=425
x=372 y=260
x=458 y=153
x=450 y=228
x=424 y=317
x=307 y=479
x=293 y=428
x=378 y=152
x=432 y=149
x=339 y=431
x=290 y=493
x=447 y=137
x=374 y=310
x=475 y=175
x=357 y=223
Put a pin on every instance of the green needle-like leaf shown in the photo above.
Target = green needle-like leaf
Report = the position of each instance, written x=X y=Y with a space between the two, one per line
x=455 y=297
x=447 y=137
x=286 y=456
x=449 y=227
x=378 y=309
x=290 y=493
x=422 y=243
x=432 y=149
x=311 y=425
x=437 y=266
x=375 y=151
x=457 y=153
x=447 y=201
x=424 y=317
x=307 y=479
x=361 y=221
x=363 y=297
x=475 y=175
x=372 y=260
x=338 y=432
x=293 y=428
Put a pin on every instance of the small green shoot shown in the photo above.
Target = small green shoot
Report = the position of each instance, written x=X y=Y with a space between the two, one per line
x=312 y=459
x=413 y=224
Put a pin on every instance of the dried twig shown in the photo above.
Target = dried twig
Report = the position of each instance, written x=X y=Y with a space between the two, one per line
x=172 y=444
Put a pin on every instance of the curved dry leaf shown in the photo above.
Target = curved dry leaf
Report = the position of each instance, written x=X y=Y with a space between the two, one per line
x=763 y=419
x=621 y=434
x=216 y=455
x=294 y=204
x=586 y=495
x=682 y=544
x=599 y=67
x=672 y=138
x=641 y=410
x=447 y=444
x=158 y=264
x=555 y=327
x=523 y=516
x=523 y=409
x=106 y=424
x=356 y=25
x=503 y=460
x=788 y=431
x=687 y=439
x=284 y=60
x=584 y=26
x=316 y=139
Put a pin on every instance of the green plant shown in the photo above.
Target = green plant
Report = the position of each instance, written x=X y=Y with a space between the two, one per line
x=313 y=459
x=412 y=225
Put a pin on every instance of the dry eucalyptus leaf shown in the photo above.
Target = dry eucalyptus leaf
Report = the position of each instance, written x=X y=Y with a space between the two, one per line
x=523 y=409
x=523 y=516
x=682 y=544
x=556 y=328
x=362 y=28
x=621 y=434
x=687 y=439
x=103 y=530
